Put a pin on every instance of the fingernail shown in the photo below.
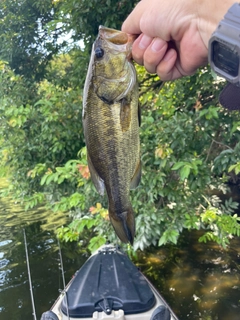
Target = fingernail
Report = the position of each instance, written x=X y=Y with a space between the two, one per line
x=144 y=42
x=157 y=45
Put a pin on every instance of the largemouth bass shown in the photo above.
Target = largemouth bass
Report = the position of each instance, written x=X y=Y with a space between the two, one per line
x=111 y=126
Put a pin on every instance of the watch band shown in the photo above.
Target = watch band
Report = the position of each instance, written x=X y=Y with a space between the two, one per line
x=233 y=14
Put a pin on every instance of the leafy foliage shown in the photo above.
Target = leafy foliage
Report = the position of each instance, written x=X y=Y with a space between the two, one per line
x=25 y=42
x=84 y=17
x=189 y=143
x=43 y=132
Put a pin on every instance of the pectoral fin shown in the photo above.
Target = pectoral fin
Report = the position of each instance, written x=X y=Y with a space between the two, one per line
x=137 y=176
x=97 y=181
x=125 y=114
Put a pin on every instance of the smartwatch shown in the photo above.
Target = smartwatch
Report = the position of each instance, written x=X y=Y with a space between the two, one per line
x=224 y=46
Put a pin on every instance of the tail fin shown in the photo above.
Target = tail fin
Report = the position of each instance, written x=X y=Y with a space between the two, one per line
x=124 y=225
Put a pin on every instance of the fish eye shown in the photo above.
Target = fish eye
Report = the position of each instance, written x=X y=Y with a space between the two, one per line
x=99 y=53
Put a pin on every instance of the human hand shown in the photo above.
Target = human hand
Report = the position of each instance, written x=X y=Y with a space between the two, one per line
x=173 y=35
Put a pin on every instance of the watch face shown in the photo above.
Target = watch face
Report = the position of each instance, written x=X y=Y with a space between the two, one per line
x=225 y=59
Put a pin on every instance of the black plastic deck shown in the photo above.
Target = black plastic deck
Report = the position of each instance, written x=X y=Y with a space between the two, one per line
x=108 y=281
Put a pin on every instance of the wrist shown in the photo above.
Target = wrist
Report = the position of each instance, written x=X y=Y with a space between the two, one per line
x=210 y=13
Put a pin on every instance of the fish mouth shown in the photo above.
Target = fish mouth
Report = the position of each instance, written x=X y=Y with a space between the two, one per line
x=117 y=38
x=114 y=36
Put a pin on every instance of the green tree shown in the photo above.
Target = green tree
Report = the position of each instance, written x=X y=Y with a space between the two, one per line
x=25 y=42
x=45 y=130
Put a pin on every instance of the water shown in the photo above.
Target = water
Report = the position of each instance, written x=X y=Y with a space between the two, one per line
x=15 y=300
x=199 y=281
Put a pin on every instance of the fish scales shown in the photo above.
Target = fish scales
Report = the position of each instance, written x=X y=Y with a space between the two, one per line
x=111 y=127
x=109 y=146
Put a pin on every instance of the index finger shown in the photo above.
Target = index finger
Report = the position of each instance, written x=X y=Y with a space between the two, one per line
x=132 y=23
x=151 y=19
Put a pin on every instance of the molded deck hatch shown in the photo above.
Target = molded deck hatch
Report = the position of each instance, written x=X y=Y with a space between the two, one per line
x=108 y=276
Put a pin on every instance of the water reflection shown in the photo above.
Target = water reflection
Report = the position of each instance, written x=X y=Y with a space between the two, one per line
x=198 y=281
x=15 y=301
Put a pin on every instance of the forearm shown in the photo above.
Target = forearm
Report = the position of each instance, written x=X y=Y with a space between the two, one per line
x=210 y=12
